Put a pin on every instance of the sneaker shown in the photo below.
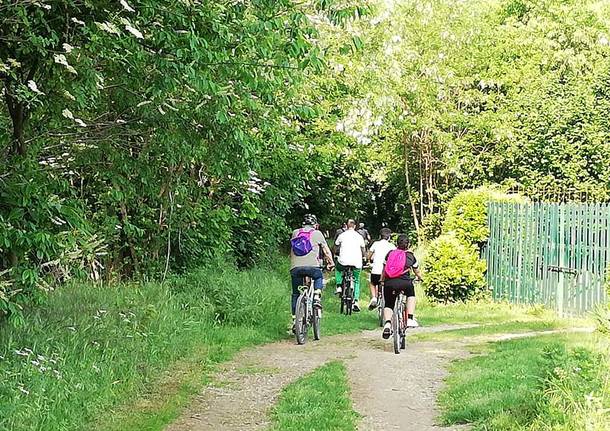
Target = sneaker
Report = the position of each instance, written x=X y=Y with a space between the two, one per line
x=373 y=304
x=316 y=299
x=356 y=307
x=338 y=290
x=412 y=323
x=387 y=331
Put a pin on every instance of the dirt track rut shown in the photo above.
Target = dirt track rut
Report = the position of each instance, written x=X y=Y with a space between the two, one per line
x=248 y=387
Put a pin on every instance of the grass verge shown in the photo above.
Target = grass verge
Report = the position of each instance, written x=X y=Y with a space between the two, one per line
x=92 y=349
x=317 y=401
x=558 y=382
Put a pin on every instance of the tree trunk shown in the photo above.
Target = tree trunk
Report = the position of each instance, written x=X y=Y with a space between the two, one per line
x=408 y=183
x=18 y=113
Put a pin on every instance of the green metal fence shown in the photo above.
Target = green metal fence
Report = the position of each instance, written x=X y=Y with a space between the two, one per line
x=552 y=254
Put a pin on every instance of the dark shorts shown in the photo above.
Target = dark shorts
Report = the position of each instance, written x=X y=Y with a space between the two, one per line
x=392 y=288
x=375 y=279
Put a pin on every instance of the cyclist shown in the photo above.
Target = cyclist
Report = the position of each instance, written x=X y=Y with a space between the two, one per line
x=350 y=248
x=306 y=259
x=377 y=254
x=340 y=231
x=403 y=281
x=365 y=234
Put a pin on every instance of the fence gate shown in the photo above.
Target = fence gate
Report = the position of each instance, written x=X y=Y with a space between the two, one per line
x=553 y=254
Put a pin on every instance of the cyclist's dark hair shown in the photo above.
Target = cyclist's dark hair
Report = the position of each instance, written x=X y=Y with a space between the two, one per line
x=385 y=233
x=403 y=242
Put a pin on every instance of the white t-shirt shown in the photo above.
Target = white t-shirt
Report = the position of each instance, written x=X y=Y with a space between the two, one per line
x=380 y=250
x=350 y=253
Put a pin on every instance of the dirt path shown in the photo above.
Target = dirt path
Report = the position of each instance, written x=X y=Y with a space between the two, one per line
x=247 y=387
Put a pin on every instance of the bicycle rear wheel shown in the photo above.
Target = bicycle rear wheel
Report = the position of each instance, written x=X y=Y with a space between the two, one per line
x=380 y=307
x=300 y=323
x=396 y=325
x=316 y=321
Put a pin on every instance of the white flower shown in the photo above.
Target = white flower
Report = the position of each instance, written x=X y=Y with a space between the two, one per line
x=69 y=95
x=134 y=31
x=32 y=86
x=603 y=40
x=126 y=6
x=77 y=21
x=68 y=114
x=108 y=27
x=80 y=122
x=61 y=59
x=67 y=47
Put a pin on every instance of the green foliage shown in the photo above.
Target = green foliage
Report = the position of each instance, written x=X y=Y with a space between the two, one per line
x=319 y=400
x=148 y=136
x=453 y=271
x=467 y=216
x=467 y=213
x=91 y=347
x=558 y=382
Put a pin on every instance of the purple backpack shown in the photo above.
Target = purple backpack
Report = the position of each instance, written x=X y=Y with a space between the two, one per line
x=301 y=244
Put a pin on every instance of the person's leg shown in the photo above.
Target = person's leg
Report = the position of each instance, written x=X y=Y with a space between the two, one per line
x=410 y=292
x=338 y=276
x=357 y=284
x=297 y=280
x=373 y=286
x=390 y=299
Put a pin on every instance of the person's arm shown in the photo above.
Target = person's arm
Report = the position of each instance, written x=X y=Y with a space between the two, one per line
x=338 y=245
x=417 y=273
x=328 y=255
x=363 y=249
x=416 y=270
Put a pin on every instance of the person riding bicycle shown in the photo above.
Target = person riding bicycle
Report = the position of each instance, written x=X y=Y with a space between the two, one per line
x=340 y=231
x=399 y=280
x=365 y=234
x=349 y=246
x=377 y=254
x=306 y=259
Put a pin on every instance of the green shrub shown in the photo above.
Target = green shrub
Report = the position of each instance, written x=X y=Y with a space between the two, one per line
x=453 y=271
x=432 y=226
x=467 y=214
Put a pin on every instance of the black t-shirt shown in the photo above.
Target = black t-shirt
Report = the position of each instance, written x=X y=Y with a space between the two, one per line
x=410 y=263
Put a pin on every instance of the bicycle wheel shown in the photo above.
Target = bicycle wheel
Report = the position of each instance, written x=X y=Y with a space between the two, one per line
x=316 y=321
x=300 y=323
x=396 y=318
x=380 y=307
x=350 y=297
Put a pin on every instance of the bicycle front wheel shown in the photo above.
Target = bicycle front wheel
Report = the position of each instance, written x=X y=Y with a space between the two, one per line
x=300 y=323
x=316 y=321
x=396 y=325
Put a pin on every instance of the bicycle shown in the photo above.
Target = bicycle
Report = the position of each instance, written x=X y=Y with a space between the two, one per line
x=380 y=304
x=347 y=290
x=399 y=322
x=306 y=313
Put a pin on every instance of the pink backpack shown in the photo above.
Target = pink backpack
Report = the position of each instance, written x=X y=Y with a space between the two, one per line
x=395 y=265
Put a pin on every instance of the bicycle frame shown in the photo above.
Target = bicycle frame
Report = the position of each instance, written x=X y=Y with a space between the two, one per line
x=347 y=293
x=306 y=316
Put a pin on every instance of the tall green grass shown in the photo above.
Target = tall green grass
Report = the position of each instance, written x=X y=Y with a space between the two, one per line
x=559 y=382
x=91 y=348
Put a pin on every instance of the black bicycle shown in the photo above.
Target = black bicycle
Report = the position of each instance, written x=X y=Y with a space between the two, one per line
x=399 y=322
x=307 y=313
x=347 y=290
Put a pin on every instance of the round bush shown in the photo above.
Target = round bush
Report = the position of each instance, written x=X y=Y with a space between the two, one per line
x=453 y=270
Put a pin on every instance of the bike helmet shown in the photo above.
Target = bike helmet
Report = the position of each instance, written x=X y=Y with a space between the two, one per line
x=310 y=219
